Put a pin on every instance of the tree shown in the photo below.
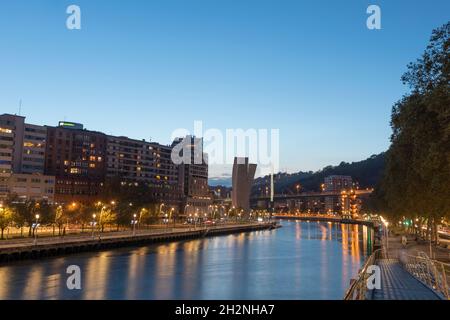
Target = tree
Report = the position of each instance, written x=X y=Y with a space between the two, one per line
x=6 y=217
x=415 y=184
x=106 y=217
x=60 y=218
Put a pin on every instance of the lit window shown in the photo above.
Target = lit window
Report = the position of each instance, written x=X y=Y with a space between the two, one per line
x=4 y=130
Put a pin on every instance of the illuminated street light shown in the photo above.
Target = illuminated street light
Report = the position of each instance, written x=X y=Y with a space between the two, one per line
x=36 y=229
x=134 y=221
x=93 y=224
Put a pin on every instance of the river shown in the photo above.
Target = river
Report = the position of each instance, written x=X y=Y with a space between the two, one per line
x=301 y=260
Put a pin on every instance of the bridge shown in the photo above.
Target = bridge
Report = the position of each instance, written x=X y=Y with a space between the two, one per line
x=358 y=192
x=325 y=201
x=325 y=218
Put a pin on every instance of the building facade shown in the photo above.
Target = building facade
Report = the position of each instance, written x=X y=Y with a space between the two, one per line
x=193 y=166
x=36 y=187
x=337 y=183
x=22 y=156
x=140 y=162
x=243 y=175
x=77 y=158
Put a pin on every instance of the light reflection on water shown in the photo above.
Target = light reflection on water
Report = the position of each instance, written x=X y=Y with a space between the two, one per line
x=302 y=260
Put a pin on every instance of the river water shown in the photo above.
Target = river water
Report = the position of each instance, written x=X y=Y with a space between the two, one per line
x=301 y=260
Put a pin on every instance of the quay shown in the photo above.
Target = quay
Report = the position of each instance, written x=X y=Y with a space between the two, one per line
x=23 y=249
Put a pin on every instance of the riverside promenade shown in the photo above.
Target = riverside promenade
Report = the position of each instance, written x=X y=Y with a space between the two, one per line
x=406 y=273
x=22 y=249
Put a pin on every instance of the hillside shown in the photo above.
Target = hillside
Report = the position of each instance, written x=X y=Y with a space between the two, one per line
x=367 y=173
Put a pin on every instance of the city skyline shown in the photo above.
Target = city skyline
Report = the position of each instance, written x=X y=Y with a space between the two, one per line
x=221 y=158
x=203 y=61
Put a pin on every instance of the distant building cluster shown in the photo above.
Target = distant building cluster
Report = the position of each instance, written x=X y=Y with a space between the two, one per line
x=339 y=195
x=67 y=163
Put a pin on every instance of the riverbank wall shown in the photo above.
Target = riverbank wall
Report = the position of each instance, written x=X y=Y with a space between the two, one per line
x=86 y=244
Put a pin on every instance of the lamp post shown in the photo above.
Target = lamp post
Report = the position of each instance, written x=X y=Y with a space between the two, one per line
x=134 y=224
x=160 y=208
x=185 y=210
x=386 y=233
x=93 y=224
x=195 y=219
x=35 y=229
x=172 y=216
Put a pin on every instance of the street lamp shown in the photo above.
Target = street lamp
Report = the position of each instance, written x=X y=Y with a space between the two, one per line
x=160 y=208
x=134 y=224
x=386 y=230
x=35 y=229
x=196 y=217
x=172 y=216
x=93 y=224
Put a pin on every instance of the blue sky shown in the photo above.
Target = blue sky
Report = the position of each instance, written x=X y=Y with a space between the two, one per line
x=145 y=68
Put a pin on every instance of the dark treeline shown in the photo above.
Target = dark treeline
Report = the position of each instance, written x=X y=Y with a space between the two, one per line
x=416 y=182
x=366 y=173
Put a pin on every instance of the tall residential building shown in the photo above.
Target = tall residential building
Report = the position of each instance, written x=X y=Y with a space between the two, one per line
x=22 y=152
x=139 y=161
x=28 y=144
x=194 y=174
x=33 y=150
x=6 y=152
x=337 y=183
x=243 y=175
x=77 y=158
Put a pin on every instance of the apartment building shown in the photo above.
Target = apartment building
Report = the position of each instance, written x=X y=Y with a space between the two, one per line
x=22 y=153
x=77 y=158
x=139 y=161
x=194 y=174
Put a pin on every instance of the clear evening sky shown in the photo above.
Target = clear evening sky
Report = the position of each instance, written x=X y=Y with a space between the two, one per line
x=145 y=68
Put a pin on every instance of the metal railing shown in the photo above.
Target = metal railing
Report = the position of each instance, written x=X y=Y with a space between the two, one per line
x=358 y=288
x=434 y=274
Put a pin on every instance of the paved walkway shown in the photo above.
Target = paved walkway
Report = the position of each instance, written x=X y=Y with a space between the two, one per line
x=414 y=247
x=398 y=284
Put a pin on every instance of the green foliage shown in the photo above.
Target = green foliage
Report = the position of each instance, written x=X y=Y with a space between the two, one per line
x=6 y=218
x=416 y=182
x=367 y=173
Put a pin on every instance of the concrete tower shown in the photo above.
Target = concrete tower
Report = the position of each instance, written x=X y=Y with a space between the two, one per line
x=243 y=175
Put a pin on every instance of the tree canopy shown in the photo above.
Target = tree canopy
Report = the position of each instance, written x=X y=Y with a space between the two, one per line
x=416 y=181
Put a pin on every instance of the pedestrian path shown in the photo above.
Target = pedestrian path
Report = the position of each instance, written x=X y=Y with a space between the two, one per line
x=398 y=284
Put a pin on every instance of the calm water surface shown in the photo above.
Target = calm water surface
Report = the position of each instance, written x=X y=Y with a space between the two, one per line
x=302 y=260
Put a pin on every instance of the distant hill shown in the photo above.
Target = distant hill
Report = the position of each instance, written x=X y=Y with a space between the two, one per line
x=367 y=173
x=226 y=181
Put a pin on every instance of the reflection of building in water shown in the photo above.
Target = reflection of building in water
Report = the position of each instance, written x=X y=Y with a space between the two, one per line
x=98 y=270
x=355 y=242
